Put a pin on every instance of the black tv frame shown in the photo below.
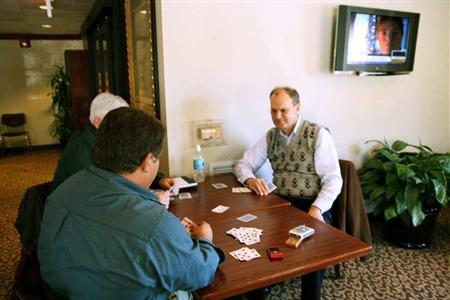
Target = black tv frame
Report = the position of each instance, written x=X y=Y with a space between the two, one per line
x=340 y=54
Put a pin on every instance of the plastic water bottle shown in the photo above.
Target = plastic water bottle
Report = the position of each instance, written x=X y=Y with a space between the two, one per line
x=199 y=165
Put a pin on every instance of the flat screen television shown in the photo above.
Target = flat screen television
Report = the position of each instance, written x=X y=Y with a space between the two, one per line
x=374 y=41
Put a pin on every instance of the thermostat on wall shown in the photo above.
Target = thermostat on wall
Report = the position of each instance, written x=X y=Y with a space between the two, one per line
x=208 y=133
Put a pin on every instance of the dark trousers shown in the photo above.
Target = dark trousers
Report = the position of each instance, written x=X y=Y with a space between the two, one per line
x=311 y=282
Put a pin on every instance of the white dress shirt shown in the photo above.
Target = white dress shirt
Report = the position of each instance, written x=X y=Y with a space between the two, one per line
x=325 y=158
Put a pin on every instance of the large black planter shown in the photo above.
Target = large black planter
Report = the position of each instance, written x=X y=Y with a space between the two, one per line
x=398 y=233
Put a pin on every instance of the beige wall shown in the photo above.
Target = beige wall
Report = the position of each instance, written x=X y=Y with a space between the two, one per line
x=221 y=59
x=24 y=74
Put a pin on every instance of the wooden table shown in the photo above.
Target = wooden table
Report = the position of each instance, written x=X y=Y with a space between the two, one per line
x=205 y=197
x=327 y=247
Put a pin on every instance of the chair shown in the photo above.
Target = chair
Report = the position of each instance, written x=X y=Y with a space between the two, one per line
x=14 y=126
x=28 y=284
x=349 y=212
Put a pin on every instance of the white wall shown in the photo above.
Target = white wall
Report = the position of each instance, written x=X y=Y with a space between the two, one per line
x=24 y=75
x=220 y=59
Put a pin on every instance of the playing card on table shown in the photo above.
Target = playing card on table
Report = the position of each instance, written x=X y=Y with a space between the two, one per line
x=185 y=195
x=246 y=235
x=247 y=218
x=245 y=254
x=241 y=190
x=219 y=185
x=220 y=209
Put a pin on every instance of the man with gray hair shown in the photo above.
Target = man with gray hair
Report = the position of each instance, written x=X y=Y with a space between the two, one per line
x=77 y=153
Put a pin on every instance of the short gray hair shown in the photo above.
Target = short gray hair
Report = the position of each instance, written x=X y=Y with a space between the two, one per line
x=103 y=103
x=292 y=93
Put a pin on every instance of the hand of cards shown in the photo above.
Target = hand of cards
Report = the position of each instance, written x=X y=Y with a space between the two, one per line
x=187 y=223
x=297 y=235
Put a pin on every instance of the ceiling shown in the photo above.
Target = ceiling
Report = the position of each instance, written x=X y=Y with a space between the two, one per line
x=25 y=17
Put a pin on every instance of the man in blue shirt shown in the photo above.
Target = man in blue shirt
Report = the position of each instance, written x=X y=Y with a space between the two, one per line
x=104 y=235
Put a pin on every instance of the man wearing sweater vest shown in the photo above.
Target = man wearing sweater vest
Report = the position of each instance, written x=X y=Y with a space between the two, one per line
x=305 y=166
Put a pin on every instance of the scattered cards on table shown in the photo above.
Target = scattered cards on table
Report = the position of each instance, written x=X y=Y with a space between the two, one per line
x=245 y=254
x=220 y=209
x=247 y=218
x=246 y=235
x=186 y=222
x=185 y=195
x=241 y=190
x=219 y=185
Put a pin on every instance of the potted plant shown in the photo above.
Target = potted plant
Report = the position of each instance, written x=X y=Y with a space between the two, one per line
x=409 y=188
x=61 y=127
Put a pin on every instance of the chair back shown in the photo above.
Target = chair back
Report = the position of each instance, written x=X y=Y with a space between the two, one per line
x=28 y=283
x=349 y=211
x=13 y=126
x=13 y=120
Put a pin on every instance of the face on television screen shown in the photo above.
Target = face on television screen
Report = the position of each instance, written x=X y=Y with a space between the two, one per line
x=377 y=39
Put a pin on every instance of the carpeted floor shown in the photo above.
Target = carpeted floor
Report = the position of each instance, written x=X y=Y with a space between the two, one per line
x=17 y=173
x=390 y=273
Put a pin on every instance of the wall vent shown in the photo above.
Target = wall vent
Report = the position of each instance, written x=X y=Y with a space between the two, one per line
x=222 y=167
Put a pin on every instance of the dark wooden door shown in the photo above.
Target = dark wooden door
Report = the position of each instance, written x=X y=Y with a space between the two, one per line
x=77 y=68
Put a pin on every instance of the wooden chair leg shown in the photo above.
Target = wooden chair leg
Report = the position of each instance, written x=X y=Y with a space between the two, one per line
x=337 y=271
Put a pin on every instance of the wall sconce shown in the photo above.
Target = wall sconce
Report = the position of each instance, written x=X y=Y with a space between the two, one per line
x=25 y=43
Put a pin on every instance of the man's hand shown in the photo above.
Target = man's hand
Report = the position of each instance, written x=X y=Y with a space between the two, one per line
x=166 y=183
x=258 y=185
x=202 y=231
x=164 y=197
x=315 y=212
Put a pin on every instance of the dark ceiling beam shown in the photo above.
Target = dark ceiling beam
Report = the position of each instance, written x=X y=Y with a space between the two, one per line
x=40 y=36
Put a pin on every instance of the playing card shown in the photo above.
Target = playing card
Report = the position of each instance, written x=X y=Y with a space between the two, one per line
x=186 y=222
x=302 y=231
x=219 y=185
x=246 y=235
x=254 y=253
x=185 y=195
x=271 y=186
x=241 y=190
x=220 y=209
x=247 y=218
x=174 y=189
x=245 y=254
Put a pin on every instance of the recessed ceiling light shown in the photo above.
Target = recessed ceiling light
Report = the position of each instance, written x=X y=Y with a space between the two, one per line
x=143 y=12
x=24 y=43
x=46 y=26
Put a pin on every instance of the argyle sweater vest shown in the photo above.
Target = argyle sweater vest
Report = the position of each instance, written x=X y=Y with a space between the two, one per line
x=294 y=172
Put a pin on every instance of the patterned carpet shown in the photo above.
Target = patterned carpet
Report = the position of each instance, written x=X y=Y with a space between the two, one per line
x=18 y=172
x=390 y=273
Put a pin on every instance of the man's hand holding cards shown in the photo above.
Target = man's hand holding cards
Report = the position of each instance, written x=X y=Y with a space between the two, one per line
x=260 y=186
x=202 y=230
x=187 y=223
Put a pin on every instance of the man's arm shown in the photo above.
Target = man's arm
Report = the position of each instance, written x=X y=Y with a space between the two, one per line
x=182 y=262
x=327 y=167
x=252 y=160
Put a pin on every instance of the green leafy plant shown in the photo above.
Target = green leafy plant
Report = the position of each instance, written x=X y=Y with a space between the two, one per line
x=403 y=183
x=61 y=126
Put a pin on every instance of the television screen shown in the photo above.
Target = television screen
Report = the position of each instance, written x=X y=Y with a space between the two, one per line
x=374 y=40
